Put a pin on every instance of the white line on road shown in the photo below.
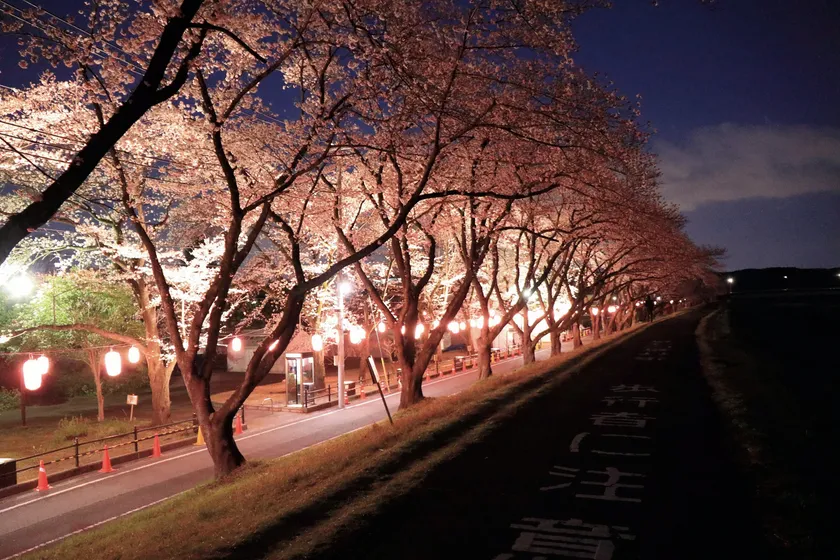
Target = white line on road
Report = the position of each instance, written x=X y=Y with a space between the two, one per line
x=202 y=450
x=156 y=502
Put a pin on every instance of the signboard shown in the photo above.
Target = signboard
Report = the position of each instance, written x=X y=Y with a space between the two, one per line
x=131 y=399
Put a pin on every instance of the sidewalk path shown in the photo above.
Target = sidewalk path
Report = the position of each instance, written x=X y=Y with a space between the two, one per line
x=625 y=460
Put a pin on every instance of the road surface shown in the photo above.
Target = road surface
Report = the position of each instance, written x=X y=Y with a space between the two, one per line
x=31 y=520
x=626 y=460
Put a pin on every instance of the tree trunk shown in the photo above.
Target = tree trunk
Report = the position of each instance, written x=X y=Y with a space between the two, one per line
x=412 y=380
x=161 y=402
x=93 y=364
x=320 y=370
x=221 y=445
x=596 y=327
x=576 y=341
x=100 y=398
x=556 y=343
x=529 y=355
x=483 y=350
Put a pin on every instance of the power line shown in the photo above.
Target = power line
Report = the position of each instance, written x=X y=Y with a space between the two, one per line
x=101 y=52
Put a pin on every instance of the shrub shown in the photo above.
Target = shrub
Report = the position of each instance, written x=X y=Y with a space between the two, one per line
x=69 y=428
x=9 y=399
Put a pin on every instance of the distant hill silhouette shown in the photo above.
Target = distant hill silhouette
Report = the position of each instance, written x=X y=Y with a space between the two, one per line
x=755 y=279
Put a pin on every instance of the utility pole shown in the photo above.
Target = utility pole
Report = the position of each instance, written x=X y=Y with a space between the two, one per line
x=340 y=290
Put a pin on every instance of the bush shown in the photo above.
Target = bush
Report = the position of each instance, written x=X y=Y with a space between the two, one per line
x=9 y=399
x=69 y=428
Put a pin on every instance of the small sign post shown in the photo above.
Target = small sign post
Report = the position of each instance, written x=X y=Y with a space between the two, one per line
x=132 y=400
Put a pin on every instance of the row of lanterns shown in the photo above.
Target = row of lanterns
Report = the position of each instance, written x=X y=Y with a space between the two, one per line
x=35 y=368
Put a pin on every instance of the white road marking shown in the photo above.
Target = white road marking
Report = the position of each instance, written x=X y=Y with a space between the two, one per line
x=156 y=502
x=249 y=436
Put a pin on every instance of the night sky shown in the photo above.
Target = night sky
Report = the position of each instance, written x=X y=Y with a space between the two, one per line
x=745 y=99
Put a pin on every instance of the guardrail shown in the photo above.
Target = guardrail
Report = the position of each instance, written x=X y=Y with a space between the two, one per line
x=82 y=448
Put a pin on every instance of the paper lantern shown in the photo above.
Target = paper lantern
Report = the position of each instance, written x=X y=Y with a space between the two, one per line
x=611 y=309
x=317 y=343
x=113 y=363
x=594 y=310
x=454 y=327
x=43 y=364
x=356 y=335
x=462 y=325
x=236 y=344
x=418 y=330
x=133 y=355
x=31 y=374
x=381 y=327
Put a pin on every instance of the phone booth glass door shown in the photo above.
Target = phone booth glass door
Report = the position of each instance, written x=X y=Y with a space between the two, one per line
x=293 y=380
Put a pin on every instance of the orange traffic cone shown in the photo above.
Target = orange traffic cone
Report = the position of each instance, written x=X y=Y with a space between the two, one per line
x=346 y=399
x=156 y=448
x=42 y=479
x=464 y=365
x=453 y=367
x=362 y=392
x=106 y=462
x=238 y=430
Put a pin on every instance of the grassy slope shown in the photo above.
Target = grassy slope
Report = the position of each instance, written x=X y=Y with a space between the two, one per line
x=767 y=427
x=278 y=508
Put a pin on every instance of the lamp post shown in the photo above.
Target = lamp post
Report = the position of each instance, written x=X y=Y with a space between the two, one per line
x=343 y=288
x=730 y=281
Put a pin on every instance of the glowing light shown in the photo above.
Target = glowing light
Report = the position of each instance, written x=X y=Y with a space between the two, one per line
x=672 y=302
x=19 y=286
x=454 y=327
x=732 y=280
x=356 y=335
x=462 y=325
x=402 y=329
x=133 y=355
x=345 y=288
x=31 y=374
x=638 y=303
x=113 y=363
x=611 y=309
x=273 y=345
x=43 y=364
x=317 y=343
x=658 y=298
x=381 y=327
x=418 y=330
x=594 y=311
x=4 y=339
x=436 y=324
x=236 y=344
x=479 y=323
x=472 y=323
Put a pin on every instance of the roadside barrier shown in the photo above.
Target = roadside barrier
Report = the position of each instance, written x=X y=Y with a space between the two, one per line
x=106 y=461
x=81 y=453
x=42 y=479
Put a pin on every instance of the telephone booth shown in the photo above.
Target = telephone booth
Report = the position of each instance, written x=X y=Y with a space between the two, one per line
x=300 y=376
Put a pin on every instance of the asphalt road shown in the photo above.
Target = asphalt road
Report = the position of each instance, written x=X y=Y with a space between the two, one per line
x=625 y=460
x=30 y=520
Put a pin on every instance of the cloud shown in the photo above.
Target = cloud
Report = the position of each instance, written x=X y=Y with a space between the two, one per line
x=731 y=162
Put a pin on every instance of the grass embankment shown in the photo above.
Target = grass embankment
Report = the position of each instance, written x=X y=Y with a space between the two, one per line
x=291 y=506
x=769 y=429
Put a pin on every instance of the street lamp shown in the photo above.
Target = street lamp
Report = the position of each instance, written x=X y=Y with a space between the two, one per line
x=730 y=281
x=19 y=285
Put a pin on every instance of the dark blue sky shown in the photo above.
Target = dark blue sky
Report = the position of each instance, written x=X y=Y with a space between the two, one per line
x=745 y=98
